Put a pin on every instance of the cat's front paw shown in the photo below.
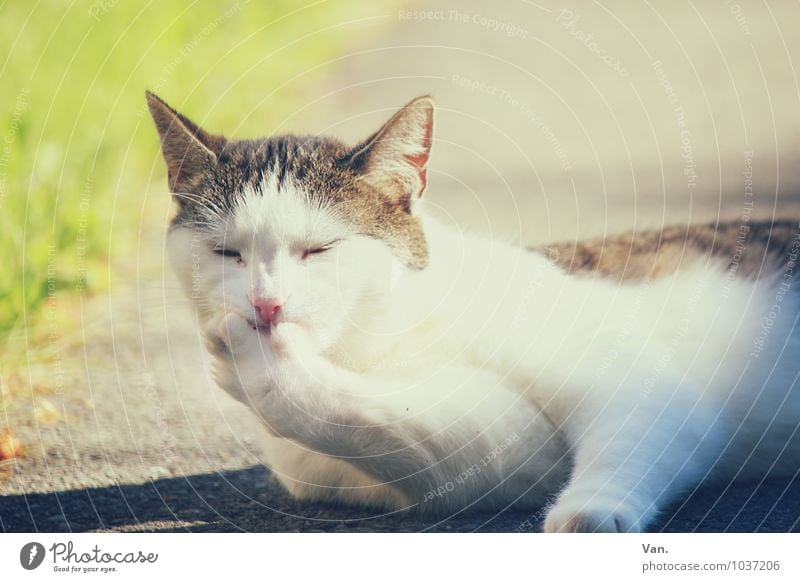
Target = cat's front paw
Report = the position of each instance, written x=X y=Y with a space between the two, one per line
x=590 y=516
x=237 y=338
x=241 y=355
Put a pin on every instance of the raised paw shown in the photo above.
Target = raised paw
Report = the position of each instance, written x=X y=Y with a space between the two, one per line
x=235 y=343
x=224 y=333
x=235 y=331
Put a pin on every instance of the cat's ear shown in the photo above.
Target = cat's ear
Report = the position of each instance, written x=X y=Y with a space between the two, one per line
x=189 y=151
x=394 y=160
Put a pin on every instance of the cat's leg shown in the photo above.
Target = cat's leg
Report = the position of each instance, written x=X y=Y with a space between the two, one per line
x=311 y=476
x=444 y=439
x=634 y=456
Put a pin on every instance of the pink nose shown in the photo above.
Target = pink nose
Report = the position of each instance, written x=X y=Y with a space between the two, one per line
x=267 y=309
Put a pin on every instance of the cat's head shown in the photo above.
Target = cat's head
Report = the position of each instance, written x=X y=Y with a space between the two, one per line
x=302 y=229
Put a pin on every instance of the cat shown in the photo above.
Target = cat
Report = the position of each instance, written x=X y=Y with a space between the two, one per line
x=400 y=363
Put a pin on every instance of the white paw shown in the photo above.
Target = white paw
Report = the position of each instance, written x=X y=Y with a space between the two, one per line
x=228 y=333
x=236 y=331
x=241 y=353
x=575 y=515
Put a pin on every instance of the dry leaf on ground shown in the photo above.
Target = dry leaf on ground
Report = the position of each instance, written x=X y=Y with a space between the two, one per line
x=10 y=446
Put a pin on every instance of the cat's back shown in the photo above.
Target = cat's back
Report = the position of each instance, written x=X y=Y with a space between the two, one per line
x=744 y=249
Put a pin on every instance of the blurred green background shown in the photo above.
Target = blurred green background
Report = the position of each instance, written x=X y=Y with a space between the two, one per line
x=77 y=147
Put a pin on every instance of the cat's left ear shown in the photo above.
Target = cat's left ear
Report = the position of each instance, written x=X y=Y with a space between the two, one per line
x=394 y=160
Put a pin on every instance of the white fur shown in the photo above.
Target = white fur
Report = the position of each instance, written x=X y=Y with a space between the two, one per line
x=491 y=377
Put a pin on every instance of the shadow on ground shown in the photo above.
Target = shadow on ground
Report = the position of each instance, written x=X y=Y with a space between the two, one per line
x=249 y=500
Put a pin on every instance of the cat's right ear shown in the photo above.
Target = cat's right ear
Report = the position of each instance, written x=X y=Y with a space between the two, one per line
x=189 y=152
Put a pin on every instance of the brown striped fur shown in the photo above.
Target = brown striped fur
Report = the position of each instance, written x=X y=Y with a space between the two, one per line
x=371 y=185
x=745 y=249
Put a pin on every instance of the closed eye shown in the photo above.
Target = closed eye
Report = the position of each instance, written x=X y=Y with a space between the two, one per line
x=228 y=253
x=319 y=250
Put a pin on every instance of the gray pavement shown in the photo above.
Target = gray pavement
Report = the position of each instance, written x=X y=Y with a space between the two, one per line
x=537 y=139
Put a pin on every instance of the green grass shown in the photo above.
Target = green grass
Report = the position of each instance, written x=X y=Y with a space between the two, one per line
x=77 y=148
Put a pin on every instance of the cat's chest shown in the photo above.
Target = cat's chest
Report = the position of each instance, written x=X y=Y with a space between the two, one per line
x=400 y=350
